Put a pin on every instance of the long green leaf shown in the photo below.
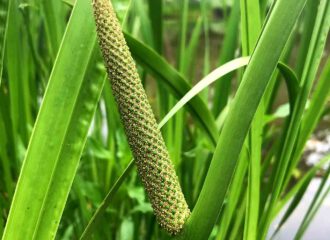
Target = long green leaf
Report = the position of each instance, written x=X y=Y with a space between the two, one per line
x=236 y=189
x=155 y=15
x=177 y=141
x=192 y=48
x=222 y=88
x=54 y=26
x=59 y=134
x=16 y=85
x=251 y=26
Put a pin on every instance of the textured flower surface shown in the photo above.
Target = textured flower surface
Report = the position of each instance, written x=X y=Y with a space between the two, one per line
x=154 y=165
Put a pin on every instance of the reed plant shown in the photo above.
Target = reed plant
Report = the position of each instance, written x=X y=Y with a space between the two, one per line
x=83 y=84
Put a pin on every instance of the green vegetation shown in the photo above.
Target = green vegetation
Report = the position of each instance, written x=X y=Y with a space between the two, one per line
x=233 y=151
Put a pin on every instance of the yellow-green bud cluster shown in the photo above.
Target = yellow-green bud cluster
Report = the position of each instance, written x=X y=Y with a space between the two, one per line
x=145 y=140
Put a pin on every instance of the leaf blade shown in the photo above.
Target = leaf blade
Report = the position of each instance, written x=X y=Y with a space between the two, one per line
x=27 y=216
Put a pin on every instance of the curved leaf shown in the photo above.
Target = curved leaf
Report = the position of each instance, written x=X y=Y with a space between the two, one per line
x=205 y=82
x=291 y=82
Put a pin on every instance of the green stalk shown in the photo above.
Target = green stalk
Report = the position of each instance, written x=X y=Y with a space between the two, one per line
x=251 y=26
x=156 y=20
x=54 y=26
x=180 y=117
x=228 y=48
x=206 y=61
x=233 y=200
x=13 y=71
x=237 y=231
